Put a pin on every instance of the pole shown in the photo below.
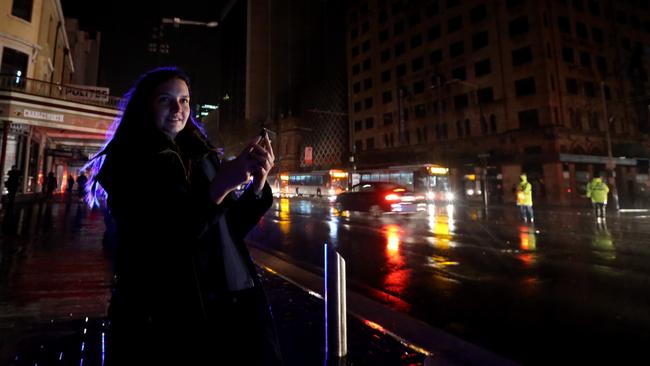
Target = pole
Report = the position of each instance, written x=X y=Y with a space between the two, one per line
x=336 y=342
x=611 y=167
x=3 y=154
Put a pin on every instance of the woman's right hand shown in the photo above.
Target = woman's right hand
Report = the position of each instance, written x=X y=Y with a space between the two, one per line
x=233 y=173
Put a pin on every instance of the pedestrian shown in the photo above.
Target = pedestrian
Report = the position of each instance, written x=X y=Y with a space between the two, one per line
x=70 y=185
x=597 y=190
x=186 y=288
x=81 y=185
x=50 y=184
x=525 y=199
x=12 y=183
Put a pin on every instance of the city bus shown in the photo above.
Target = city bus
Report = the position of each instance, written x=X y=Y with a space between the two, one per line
x=322 y=183
x=431 y=180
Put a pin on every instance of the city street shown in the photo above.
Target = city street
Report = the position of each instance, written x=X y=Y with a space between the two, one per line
x=565 y=290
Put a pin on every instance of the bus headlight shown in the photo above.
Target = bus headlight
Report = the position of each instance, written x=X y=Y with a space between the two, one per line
x=431 y=195
x=450 y=196
x=470 y=192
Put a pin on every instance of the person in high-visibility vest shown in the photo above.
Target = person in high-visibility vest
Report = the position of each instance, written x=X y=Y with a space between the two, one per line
x=597 y=190
x=525 y=199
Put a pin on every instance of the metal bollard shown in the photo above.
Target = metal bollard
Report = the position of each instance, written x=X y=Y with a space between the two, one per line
x=336 y=332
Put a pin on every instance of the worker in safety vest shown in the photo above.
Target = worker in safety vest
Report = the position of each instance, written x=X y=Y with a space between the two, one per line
x=597 y=190
x=525 y=199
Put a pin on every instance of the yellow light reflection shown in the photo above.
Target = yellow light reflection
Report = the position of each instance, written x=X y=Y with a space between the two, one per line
x=527 y=238
x=398 y=274
x=285 y=218
x=441 y=227
x=603 y=243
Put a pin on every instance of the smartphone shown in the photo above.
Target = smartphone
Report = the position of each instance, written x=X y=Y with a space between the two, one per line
x=263 y=133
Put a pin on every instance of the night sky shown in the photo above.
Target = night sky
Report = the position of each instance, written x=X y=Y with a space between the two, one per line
x=126 y=32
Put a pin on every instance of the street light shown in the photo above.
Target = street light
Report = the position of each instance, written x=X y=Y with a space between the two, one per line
x=178 y=21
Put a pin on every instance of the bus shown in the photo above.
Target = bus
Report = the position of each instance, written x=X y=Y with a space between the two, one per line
x=322 y=183
x=431 y=180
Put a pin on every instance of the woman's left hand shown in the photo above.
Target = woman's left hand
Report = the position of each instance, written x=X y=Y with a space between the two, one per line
x=263 y=154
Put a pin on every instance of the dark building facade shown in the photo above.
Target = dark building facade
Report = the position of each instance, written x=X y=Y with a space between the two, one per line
x=502 y=87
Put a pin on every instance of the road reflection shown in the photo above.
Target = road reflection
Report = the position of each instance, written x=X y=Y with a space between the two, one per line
x=397 y=276
x=285 y=216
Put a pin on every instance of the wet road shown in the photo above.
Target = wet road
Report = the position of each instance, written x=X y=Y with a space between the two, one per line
x=567 y=289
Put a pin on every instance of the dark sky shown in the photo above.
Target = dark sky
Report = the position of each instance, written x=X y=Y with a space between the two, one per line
x=126 y=33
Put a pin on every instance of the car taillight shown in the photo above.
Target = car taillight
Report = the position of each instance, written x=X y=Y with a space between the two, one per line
x=392 y=197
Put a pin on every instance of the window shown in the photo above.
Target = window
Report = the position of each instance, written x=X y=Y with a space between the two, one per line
x=418 y=87
x=452 y=3
x=420 y=111
x=356 y=88
x=370 y=123
x=590 y=90
x=385 y=55
x=454 y=24
x=414 y=19
x=396 y=8
x=572 y=86
x=416 y=41
x=485 y=95
x=22 y=9
x=484 y=126
x=435 y=57
x=400 y=48
x=367 y=83
x=367 y=64
x=417 y=64
x=479 y=40
x=459 y=73
x=522 y=56
x=383 y=36
x=585 y=59
x=387 y=97
x=482 y=67
x=355 y=51
x=581 y=30
x=525 y=87
x=493 y=123
x=528 y=119
x=354 y=16
x=621 y=18
x=433 y=32
x=511 y=4
x=365 y=46
x=367 y=103
x=461 y=101
x=567 y=55
x=358 y=145
x=398 y=27
x=478 y=14
x=594 y=121
x=400 y=70
x=579 y=5
x=456 y=49
x=459 y=129
x=370 y=143
x=357 y=106
x=593 y=7
x=385 y=76
x=518 y=26
x=382 y=17
x=14 y=62
x=597 y=35
x=388 y=118
x=358 y=126
x=564 y=25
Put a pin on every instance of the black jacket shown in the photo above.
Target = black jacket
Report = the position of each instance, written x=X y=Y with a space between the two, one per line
x=170 y=274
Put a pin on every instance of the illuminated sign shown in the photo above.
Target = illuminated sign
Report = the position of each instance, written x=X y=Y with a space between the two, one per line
x=338 y=174
x=437 y=170
x=42 y=115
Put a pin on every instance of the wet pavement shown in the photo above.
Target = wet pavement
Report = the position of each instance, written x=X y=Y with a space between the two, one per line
x=55 y=276
x=567 y=289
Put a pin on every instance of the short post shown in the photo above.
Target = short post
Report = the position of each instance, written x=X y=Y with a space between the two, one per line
x=336 y=339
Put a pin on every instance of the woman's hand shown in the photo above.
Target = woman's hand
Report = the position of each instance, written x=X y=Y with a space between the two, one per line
x=263 y=155
x=231 y=174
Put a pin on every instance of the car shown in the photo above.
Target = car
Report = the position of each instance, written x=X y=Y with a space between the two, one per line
x=379 y=197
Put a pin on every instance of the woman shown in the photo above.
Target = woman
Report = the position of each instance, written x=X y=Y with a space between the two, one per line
x=184 y=278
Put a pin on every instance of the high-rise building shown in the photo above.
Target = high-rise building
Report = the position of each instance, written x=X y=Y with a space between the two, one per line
x=503 y=87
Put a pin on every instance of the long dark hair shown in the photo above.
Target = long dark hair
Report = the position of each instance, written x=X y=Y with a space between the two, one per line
x=135 y=126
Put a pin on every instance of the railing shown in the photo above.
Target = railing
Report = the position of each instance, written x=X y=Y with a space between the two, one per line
x=57 y=91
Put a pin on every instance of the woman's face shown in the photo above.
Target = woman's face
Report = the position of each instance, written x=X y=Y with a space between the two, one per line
x=171 y=106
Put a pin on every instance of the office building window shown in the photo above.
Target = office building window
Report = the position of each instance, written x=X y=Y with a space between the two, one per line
x=590 y=89
x=454 y=24
x=388 y=118
x=367 y=83
x=368 y=103
x=416 y=41
x=585 y=59
x=367 y=64
x=14 y=63
x=385 y=76
x=398 y=27
x=400 y=70
x=478 y=14
x=358 y=145
x=597 y=35
x=356 y=88
x=355 y=51
x=365 y=46
x=581 y=30
x=414 y=19
x=370 y=143
x=433 y=8
x=418 y=87
x=385 y=55
x=420 y=111
x=594 y=7
x=567 y=55
x=357 y=106
x=383 y=36
x=525 y=87
x=433 y=32
x=22 y=9
x=482 y=67
x=417 y=64
x=459 y=73
x=486 y=95
x=456 y=49
x=518 y=26
x=480 y=40
x=528 y=119
x=356 y=69
x=387 y=96
x=522 y=56
x=461 y=101
x=435 y=57
x=365 y=27
x=400 y=48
